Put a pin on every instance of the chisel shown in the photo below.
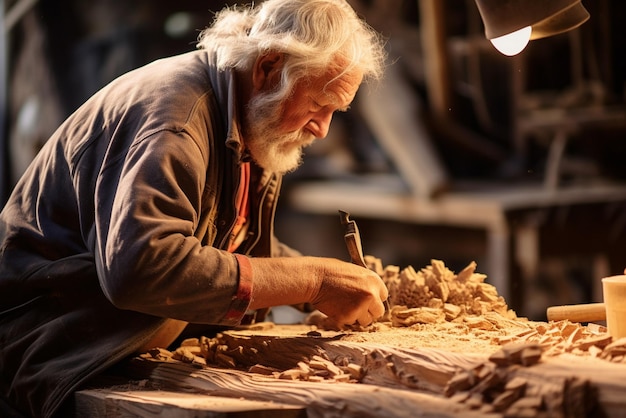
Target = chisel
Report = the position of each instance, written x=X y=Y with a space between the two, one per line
x=355 y=248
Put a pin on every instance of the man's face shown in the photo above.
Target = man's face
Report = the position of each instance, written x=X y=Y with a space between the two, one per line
x=278 y=131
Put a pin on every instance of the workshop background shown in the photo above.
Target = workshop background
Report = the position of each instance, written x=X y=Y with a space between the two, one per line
x=460 y=154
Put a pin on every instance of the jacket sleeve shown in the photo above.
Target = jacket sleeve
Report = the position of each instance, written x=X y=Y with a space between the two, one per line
x=148 y=252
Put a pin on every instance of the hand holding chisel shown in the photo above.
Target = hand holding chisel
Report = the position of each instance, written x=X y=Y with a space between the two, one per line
x=355 y=249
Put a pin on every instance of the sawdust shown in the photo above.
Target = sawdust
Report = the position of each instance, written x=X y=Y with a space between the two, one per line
x=454 y=337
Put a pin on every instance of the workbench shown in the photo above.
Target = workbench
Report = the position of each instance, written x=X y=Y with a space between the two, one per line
x=397 y=381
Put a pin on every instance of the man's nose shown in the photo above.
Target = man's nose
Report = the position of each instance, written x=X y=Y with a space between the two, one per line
x=322 y=124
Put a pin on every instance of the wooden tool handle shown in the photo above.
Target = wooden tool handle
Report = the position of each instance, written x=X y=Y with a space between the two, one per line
x=577 y=313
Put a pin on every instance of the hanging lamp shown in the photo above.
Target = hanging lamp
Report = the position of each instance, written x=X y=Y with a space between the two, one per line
x=511 y=24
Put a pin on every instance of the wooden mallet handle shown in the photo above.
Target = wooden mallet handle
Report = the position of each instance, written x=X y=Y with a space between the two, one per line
x=588 y=312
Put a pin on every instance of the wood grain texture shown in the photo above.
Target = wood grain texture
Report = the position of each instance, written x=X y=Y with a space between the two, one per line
x=112 y=403
x=423 y=369
x=319 y=399
x=396 y=382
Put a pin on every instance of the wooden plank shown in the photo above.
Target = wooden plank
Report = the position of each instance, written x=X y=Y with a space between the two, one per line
x=319 y=399
x=515 y=381
x=424 y=369
x=112 y=403
x=472 y=205
x=386 y=200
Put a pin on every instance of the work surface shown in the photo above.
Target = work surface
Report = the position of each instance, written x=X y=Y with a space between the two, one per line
x=299 y=371
x=450 y=347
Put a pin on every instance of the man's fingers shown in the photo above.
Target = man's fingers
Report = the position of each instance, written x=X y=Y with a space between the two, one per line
x=377 y=309
x=374 y=311
x=383 y=292
x=365 y=319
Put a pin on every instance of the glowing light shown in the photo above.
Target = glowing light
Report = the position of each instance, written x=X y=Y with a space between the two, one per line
x=513 y=43
x=178 y=25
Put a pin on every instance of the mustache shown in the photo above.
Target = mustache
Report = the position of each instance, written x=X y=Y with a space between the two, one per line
x=297 y=138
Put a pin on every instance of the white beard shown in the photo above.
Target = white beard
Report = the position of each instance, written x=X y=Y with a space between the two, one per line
x=278 y=153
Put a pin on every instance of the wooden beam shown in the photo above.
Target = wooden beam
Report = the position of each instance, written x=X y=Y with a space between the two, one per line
x=435 y=52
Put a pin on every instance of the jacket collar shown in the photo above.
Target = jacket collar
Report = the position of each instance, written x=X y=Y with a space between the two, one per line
x=225 y=89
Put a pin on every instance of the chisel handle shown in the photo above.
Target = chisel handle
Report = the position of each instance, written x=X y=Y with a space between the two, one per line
x=588 y=312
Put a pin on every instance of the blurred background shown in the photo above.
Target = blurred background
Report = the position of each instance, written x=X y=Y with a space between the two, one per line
x=460 y=154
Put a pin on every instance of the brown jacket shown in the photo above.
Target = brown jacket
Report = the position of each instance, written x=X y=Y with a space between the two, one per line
x=121 y=221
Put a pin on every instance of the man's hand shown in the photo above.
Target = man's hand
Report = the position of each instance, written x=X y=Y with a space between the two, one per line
x=350 y=294
x=343 y=291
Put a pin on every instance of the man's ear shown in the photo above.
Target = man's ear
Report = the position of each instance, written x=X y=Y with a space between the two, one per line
x=266 y=70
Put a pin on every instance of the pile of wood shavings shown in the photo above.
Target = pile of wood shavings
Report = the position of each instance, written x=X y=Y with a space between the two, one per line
x=435 y=294
x=205 y=351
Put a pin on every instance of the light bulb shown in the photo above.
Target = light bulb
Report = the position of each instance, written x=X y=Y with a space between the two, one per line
x=512 y=43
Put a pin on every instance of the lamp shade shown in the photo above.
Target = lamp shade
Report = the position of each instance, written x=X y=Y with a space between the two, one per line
x=546 y=17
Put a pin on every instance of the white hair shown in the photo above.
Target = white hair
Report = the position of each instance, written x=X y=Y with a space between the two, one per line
x=313 y=35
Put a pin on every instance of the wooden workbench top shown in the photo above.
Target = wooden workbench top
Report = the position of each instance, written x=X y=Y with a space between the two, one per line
x=276 y=371
x=449 y=347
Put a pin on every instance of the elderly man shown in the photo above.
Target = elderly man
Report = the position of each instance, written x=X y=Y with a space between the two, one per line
x=152 y=206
